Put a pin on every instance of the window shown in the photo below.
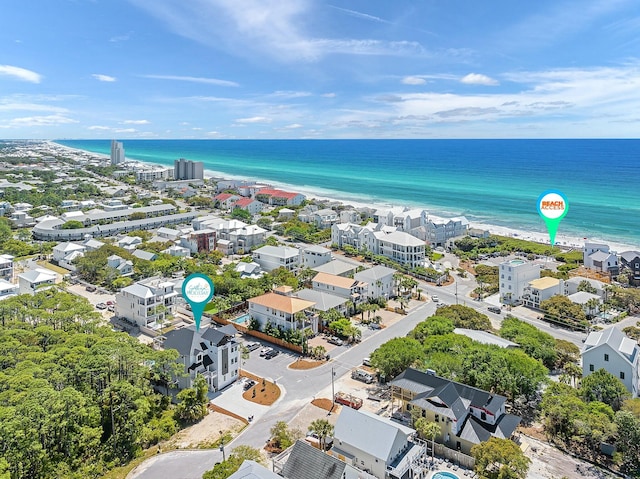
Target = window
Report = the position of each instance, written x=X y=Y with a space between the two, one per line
x=621 y=375
x=591 y=367
x=606 y=357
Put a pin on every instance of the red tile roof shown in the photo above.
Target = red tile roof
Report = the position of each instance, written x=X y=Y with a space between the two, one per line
x=277 y=193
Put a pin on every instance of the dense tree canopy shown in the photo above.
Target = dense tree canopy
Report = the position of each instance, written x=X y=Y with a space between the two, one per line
x=500 y=459
x=75 y=397
x=535 y=343
x=465 y=317
x=396 y=355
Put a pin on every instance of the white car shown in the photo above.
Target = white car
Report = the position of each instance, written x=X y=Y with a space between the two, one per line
x=435 y=298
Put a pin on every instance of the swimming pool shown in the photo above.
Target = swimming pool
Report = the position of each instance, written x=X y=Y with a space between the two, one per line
x=444 y=475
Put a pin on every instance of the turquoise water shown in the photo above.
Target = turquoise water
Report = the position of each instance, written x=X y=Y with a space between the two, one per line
x=493 y=182
x=444 y=475
x=242 y=319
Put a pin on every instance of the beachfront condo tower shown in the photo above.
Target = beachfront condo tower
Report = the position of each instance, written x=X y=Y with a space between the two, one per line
x=117 y=152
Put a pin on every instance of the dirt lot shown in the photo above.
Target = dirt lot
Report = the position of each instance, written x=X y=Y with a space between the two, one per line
x=206 y=432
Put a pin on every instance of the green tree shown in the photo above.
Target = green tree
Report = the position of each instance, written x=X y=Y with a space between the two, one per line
x=428 y=430
x=323 y=429
x=192 y=402
x=603 y=386
x=226 y=468
x=433 y=326
x=465 y=317
x=535 y=343
x=396 y=355
x=628 y=441
x=72 y=225
x=500 y=459
x=562 y=310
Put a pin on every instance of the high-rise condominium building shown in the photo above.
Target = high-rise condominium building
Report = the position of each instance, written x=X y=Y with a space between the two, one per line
x=188 y=170
x=117 y=152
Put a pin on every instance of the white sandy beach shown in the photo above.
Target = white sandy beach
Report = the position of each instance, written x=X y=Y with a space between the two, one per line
x=563 y=241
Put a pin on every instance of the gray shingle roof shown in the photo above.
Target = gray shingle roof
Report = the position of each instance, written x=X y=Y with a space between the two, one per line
x=307 y=462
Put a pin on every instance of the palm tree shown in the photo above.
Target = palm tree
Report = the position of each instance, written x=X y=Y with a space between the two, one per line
x=323 y=429
x=428 y=430
x=574 y=371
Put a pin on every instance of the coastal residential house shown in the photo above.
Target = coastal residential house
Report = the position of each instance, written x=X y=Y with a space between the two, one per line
x=630 y=265
x=64 y=254
x=145 y=255
x=32 y=281
x=315 y=256
x=283 y=310
x=337 y=267
x=350 y=216
x=323 y=301
x=597 y=257
x=253 y=470
x=400 y=247
x=225 y=200
x=388 y=455
x=246 y=238
x=611 y=350
x=123 y=267
x=304 y=461
x=352 y=234
x=348 y=288
x=325 y=218
x=147 y=303
x=589 y=302
x=249 y=270
x=6 y=267
x=213 y=353
x=170 y=234
x=541 y=289
x=200 y=241
x=129 y=243
x=7 y=289
x=272 y=196
x=273 y=257
x=248 y=204
x=380 y=281
x=514 y=277
x=572 y=284
x=177 y=251
x=21 y=219
x=466 y=415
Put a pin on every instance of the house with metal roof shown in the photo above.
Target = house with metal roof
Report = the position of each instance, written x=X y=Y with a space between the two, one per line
x=32 y=281
x=486 y=338
x=323 y=301
x=304 y=461
x=147 y=303
x=375 y=444
x=315 y=255
x=273 y=257
x=213 y=353
x=380 y=281
x=337 y=267
x=253 y=470
x=466 y=415
x=611 y=350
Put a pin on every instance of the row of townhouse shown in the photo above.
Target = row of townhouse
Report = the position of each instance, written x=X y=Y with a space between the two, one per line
x=380 y=239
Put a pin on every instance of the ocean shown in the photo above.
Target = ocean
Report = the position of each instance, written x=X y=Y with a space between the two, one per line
x=491 y=182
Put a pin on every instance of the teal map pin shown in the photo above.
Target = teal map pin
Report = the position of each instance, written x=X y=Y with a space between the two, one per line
x=197 y=290
x=552 y=206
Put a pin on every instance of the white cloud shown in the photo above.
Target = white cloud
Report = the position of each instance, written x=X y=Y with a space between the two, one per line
x=364 y=16
x=136 y=122
x=98 y=127
x=9 y=105
x=254 y=119
x=20 y=73
x=293 y=126
x=274 y=28
x=125 y=130
x=478 y=79
x=210 y=81
x=48 y=120
x=291 y=94
x=329 y=95
x=414 y=80
x=105 y=78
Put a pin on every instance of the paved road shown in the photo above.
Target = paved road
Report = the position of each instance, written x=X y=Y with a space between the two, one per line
x=299 y=386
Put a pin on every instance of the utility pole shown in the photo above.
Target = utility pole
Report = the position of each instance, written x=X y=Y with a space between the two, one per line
x=333 y=393
x=456 y=282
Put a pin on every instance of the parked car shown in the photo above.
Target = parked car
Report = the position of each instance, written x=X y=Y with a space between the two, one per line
x=91 y=289
x=111 y=308
x=494 y=309
x=335 y=340
x=264 y=351
x=110 y=303
x=271 y=354
x=435 y=298
x=375 y=326
x=366 y=361
x=101 y=306
x=249 y=384
x=252 y=346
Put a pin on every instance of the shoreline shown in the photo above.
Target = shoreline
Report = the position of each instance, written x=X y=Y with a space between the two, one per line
x=562 y=240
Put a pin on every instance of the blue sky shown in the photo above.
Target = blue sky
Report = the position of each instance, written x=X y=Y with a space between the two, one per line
x=319 y=69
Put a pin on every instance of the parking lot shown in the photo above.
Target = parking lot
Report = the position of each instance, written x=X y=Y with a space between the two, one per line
x=95 y=297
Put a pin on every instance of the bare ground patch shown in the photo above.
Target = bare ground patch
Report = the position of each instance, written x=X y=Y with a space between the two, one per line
x=206 y=432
